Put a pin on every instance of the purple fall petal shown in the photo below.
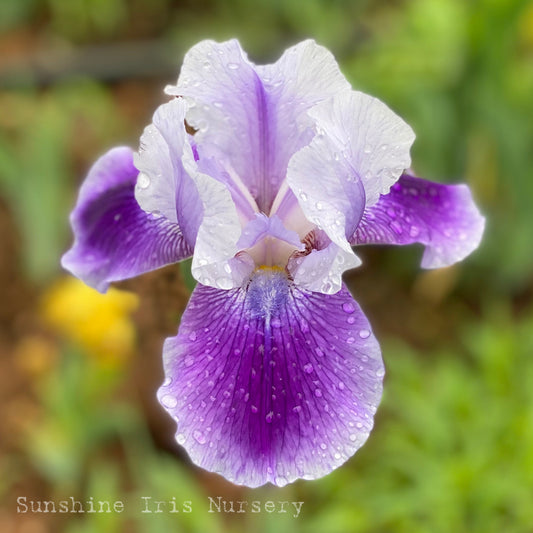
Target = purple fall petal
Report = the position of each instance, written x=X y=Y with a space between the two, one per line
x=442 y=217
x=271 y=383
x=114 y=238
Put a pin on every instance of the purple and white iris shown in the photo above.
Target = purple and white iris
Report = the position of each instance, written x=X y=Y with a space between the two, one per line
x=275 y=374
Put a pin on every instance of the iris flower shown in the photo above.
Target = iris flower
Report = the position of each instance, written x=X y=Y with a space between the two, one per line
x=266 y=176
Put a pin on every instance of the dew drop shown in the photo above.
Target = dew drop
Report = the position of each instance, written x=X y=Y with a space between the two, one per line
x=192 y=336
x=364 y=333
x=337 y=456
x=350 y=320
x=233 y=66
x=391 y=212
x=269 y=417
x=341 y=385
x=167 y=382
x=199 y=437
x=396 y=227
x=297 y=408
x=353 y=437
x=254 y=409
x=303 y=196
x=189 y=360
x=350 y=340
x=318 y=393
x=169 y=401
x=323 y=446
x=280 y=481
x=143 y=181
x=117 y=217
x=319 y=206
x=308 y=368
x=380 y=373
x=414 y=231
x=319 y=352
x=348 y=308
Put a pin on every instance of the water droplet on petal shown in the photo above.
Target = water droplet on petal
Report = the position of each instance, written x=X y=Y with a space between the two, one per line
x=189 y=360
x=364 y=333
x=396 y=227
x=275 y=323
x=348 y=307
x=180 y=438
x=199 y=437
x=169 y=401
x=414 y=231
x=254 y=409
x=269 y=417
x=143 y=181
x=319 y=352
x=341 y=385
x=308 y=368
x=318 y=393
x=192 y=336
x=323 y=446
x=233 y=66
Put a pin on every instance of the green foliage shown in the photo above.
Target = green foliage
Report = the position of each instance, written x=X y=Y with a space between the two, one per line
x=453 y=445
x=40 y=136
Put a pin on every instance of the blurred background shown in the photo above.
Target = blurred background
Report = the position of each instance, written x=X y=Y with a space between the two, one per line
x=452 y=448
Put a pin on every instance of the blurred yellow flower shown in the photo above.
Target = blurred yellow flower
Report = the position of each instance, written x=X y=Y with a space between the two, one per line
x=100 y=323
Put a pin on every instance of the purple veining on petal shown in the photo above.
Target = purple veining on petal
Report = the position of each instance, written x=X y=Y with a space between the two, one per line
x=256 y=117
x=262 y=226
x=114 y=238
x=444 y=218
x=269 y=382
x=164 y=186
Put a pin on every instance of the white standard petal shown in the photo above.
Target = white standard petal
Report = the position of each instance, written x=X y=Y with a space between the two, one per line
x=371 y=136
x=163 y=186
x=214 y=262
x=328 y=189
